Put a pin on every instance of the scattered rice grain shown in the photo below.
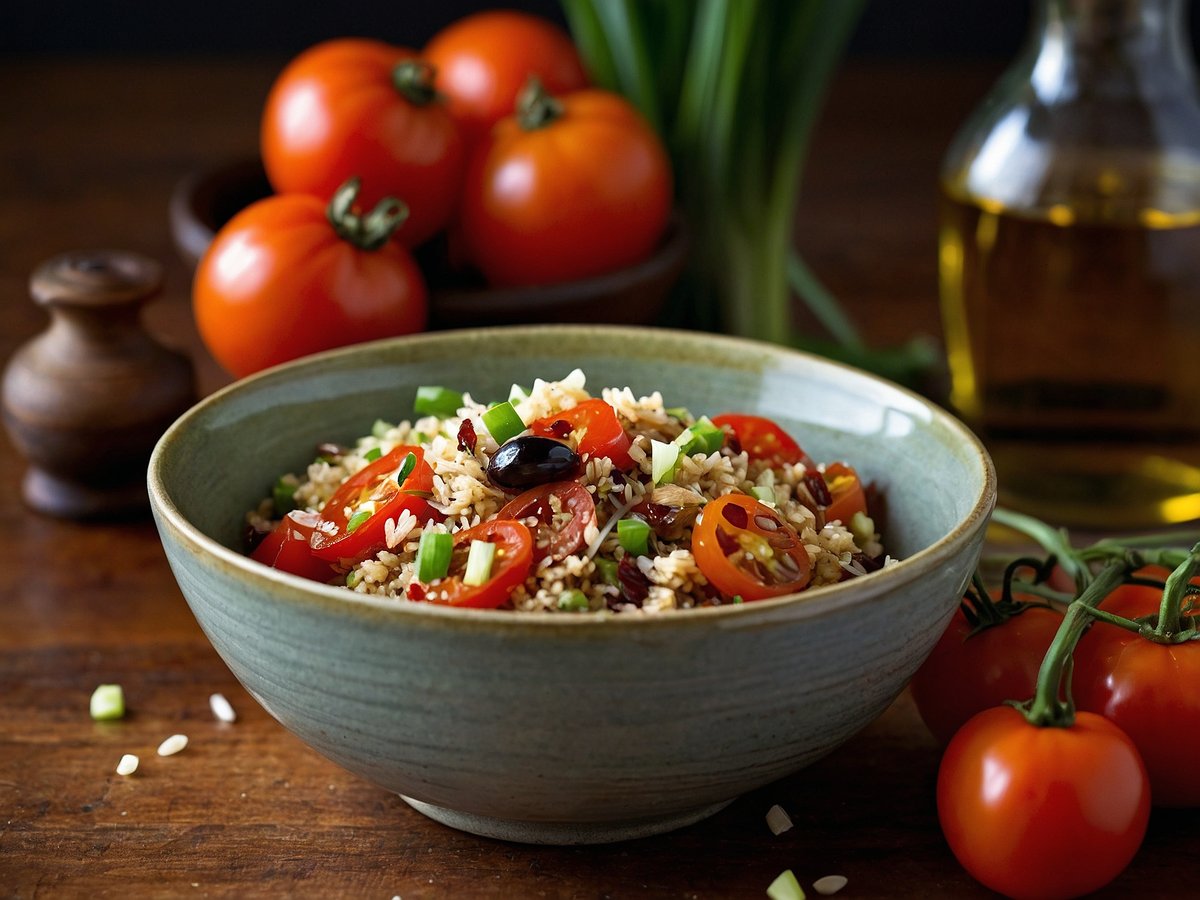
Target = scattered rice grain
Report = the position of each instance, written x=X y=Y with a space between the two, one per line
x=221 y=708
x=172 y=745
x=127 y=766
x=778 y=820
x=830 y=884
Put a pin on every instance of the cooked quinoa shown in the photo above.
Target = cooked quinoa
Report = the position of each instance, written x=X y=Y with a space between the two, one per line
x=666 y=577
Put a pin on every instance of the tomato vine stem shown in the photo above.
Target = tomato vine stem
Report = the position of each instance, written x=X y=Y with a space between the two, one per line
x=369 y=232
x=413 y=78
x=537 y=107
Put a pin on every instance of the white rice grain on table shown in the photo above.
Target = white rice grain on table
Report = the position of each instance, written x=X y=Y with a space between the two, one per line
x=830 y=884
x=128 y=764
x=778 y=820
x=221 y=708
x=172 y=745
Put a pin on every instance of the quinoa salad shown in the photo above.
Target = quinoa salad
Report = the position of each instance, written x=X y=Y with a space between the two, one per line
x=563 y=500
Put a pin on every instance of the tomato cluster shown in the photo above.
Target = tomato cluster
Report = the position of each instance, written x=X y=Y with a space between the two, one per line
x=490 y=136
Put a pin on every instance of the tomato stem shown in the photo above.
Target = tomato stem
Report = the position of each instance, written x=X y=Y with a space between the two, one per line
x=413 y=79
x=369 y=232
x=536 y=107
x=1169 y=612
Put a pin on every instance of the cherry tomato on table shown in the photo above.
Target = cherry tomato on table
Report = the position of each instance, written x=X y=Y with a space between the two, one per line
x=744 y=549
x=514 y=557
x=280 y=281
x=563 y=509
x=484 y=60
x=568 y=188
x=354 y=520
x=598 y=428
x=357 y=107
x=1042 y=811
x=286 y=548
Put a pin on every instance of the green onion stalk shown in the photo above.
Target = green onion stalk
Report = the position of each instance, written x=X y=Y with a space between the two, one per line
x=735 y=88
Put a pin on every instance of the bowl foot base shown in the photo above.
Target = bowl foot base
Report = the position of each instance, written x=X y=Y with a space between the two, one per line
x=561 y=833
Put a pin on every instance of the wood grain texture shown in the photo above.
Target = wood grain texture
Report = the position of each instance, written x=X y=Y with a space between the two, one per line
x=89 y=153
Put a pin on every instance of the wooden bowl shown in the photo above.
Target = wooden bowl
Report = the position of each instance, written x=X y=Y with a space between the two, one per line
x=205 y=200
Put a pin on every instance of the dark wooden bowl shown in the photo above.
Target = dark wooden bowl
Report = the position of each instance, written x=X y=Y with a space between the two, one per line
x=635 y=295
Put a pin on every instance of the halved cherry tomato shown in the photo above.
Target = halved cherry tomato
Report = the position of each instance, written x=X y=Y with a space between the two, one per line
x=744 y=549
x=333 y=540
x=514 y=557
x=563 y=509
x=286 y=547
x=846 y=489
x=763 y=439
x=594 y=428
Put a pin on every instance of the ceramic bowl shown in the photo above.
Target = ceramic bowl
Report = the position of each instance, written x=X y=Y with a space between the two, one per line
x=565 y=728
x=205 y=200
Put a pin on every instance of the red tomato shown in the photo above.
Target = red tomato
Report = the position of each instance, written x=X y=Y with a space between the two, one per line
x=763 y=439
x=356 y=107
x=594 y=427
x=1042 y=812
x=278 y=282
x=484 y=60
x=744 y=549
x=1148 y=689
x=514 y=557
x=969 y=672
x=582 y=190
x=846 y=489
x=344 y=534
x=286 y=547
x=563 y=509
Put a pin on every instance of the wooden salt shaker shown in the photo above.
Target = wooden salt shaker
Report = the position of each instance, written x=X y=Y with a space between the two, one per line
x=86 y=400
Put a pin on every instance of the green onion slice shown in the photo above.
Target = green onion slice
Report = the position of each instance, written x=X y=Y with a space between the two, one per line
x=786 y=887
x=516 y=394
x=573 y=600
x=634 y=535
x=764 y=494
x=663 y=460
x=607 y=569
x=283 y=495
x=434 y=551
x=437 y=401
x=373 y=454
x=479 y=563
x=406 y=468
x=108 y=703
x=353 y=523
x=502 y=422
x=381 y=428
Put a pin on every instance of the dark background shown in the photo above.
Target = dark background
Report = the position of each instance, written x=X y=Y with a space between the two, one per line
x=889 y=28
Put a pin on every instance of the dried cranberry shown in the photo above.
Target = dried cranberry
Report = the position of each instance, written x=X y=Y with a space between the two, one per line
x=560 y=428
x=635 y=586
x=467 y=437
x=415 y=591
x=815 y=482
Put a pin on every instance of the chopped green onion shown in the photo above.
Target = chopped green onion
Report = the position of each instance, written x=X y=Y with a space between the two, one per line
x=108 y=702
x=785 y=887
x=502 y=422
x=862 y=527
x=353 y=577
x=373 y=454
x=479 y=563
x=607 y=569
x=420 y=437
x=432 y=400
x=678 y=412
x=764 y=494
x=634 y=535
x=573 y=600
x=701 y=436
x=663 y=460
x=358 y=519
x=434 y=551
x=738 y=598
x=283 y=495
x=381 y=428
x=516 y=394
x=406 y=468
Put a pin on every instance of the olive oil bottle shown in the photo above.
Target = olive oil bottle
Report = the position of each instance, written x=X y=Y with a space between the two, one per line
x=1069 y=260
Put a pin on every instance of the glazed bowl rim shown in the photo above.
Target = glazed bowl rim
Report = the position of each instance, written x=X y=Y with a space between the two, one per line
x=339 y=601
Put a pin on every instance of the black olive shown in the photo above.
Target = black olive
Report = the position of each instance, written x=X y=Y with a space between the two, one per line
x=531 y=459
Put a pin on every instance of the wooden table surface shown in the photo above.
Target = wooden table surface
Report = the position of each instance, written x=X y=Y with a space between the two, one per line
x=89 y=152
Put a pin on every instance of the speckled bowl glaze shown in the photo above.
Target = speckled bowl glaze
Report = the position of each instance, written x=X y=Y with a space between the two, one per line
x=560 y=728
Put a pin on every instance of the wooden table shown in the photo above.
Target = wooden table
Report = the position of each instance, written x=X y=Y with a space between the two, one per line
x=89 y=152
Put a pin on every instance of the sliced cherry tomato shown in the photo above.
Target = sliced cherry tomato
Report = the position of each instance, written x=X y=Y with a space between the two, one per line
x=286 y=547
x=514 y=557
x=594 y=428
x=350 y=529
x=762 y=439
x=744 y=549
x=483 y=60
x=1149 y=689
x=970 y=671
x=1042 y=811
x=846 y=489
x=563 y=509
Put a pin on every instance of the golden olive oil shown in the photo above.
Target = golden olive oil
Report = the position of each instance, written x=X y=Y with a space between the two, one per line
x=1073 y=342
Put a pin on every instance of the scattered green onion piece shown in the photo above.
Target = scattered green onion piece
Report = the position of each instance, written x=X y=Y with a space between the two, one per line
x=701 y=436
x=434 y=551
x=373 y=454
x=353 y=577
x=516 y=394
x=432 y=400
x=738 y=598
x=634 y=535
x=678 y=412
x=862 y=527
x=381 y=428
x=607 y=569
x=573 y=600
x=786 y=887
x=663 y=460
x=283 y=495
x=406 y=468
x=764 y=494
x=358 y=519
x=502 y=422
x=479 y=563
x=108 y=703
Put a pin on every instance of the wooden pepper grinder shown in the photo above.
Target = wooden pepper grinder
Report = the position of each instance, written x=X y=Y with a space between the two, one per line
x=86 y=400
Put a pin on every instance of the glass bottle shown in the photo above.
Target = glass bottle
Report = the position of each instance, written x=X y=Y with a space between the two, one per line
x=1069 y=260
